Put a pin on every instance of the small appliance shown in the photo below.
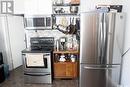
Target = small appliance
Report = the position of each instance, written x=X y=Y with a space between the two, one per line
x=38 y=21
x=62 y=43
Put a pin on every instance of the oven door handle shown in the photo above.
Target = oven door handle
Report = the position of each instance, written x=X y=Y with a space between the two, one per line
x=34 y=74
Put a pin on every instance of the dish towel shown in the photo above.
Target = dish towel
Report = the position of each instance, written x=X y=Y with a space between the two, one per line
x=34 y=60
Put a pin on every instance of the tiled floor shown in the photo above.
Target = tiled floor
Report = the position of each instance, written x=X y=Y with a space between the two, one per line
x=16 y=80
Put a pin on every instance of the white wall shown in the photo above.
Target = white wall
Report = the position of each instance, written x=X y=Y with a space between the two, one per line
x=37 y=7
x=126 y=62
x=88 y=5
x=18 y=6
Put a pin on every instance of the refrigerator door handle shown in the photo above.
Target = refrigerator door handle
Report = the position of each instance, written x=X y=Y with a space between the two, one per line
x=95 y=68
x=100 y=39
x=104 y=35
x=99 y=42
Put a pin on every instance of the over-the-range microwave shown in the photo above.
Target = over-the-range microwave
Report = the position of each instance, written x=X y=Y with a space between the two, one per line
x=38 y=21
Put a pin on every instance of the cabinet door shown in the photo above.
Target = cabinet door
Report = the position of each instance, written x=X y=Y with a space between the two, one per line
x=75 y=69
x=69 y=70
x=59 y=69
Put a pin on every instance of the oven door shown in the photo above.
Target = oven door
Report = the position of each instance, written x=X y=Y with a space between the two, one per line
x=37 y=62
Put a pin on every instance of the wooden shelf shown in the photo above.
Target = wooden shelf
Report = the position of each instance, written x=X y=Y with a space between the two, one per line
x=65 y=52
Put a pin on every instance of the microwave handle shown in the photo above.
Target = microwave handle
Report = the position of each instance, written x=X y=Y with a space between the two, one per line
x=25 y=24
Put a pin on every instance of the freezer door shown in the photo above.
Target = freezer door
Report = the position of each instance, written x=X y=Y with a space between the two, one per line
x=99 y=76
x=97 y=38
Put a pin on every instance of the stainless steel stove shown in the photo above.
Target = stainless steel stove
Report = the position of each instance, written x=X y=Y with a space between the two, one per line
x=37 y=61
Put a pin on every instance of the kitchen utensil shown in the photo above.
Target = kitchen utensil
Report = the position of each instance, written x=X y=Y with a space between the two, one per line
x=53 y=21
x=67 y=1
x=59 y=2
x=75 y=1
x=77 y=24
x=62 y=58
x=61 y=27
x=70 y=43
x=57 y=45
x=62 y=10
x=62 y=43
x=73 y=9
x=71 y=28
x=64 y=21
x=72 y=58
x=59 y=10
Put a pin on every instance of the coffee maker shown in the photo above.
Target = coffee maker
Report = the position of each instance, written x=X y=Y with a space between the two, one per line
x=62 y=42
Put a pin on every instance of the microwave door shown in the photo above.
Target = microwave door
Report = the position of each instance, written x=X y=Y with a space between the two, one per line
x=39 y=22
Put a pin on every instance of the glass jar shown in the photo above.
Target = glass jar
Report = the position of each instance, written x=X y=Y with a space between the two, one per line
x=75 y=44
x=70 y=43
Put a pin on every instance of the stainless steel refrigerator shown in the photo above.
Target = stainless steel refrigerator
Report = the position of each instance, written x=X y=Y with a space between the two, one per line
x=101 y=48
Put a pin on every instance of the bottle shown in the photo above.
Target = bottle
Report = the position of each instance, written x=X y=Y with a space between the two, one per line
x=56 y=58
x=59 y=2
x=75 y=44
x=70 y=43
x=57 y=45
x=67 y=1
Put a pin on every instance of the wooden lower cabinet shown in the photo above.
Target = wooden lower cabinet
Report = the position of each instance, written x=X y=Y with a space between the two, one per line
x=65 y=70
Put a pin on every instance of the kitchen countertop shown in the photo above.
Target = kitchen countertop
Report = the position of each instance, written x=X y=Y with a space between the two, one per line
x=34 y=51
